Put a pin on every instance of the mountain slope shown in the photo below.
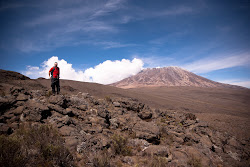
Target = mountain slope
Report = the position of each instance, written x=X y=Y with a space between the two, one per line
x=167 y=76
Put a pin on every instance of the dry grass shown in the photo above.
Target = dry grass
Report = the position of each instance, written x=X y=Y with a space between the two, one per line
x=108 y=99
x=158 y=162
x=194 y=162
x=11 y=153
x=166 y=138
x=119 y=145
x=48 y=94
x=101 y=159
x=35 y=146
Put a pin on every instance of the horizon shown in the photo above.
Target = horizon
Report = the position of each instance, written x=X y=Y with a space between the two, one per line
x=107 y=41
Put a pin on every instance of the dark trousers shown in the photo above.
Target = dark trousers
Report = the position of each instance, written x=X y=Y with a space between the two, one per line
x=55 y=83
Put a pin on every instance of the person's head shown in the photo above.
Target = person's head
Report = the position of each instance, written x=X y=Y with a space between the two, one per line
x=55 y=64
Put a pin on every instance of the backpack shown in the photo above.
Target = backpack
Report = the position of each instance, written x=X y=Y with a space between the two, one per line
x=53 y=71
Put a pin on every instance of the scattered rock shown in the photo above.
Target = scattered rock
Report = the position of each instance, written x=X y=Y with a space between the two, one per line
x=22 y=97
x=83 y=107
x=128 y=160
x=157 y=150
x=190 y=116
x=67 y=130
x=116 y=104
x=145 y=114
x=5 y=129
x=59 y=100
x=148 y=131
x=18 y=110
x=88 y=124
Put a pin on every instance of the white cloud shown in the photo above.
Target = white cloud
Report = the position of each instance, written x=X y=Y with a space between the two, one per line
x=111 y=44
x=113 y=71
x=238 y=82
x=216 y=63
x=104 y=73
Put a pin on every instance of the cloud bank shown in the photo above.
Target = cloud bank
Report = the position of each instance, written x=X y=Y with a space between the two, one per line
x=104 y=73
x=217 y=63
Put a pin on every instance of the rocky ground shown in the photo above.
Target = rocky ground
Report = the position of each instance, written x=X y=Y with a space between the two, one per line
x=121 y=131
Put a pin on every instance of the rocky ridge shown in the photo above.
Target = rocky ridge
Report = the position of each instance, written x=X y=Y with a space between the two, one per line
x=131 y=133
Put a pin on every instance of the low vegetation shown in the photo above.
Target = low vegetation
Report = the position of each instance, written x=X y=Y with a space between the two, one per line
x=120 y=146
x=158 y=162
x=101 y=159
x=35 y=146
x=194 y=162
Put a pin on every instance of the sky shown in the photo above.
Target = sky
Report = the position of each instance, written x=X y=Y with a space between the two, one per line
x=105 y=41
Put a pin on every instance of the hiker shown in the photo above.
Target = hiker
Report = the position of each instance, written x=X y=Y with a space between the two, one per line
x=55 y=72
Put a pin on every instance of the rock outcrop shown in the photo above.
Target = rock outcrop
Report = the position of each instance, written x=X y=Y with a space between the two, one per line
x=145 y=136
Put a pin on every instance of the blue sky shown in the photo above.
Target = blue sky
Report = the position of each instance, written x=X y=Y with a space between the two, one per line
x=100 y=40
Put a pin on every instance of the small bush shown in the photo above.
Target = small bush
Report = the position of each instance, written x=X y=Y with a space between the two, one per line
x=165 y=137
x=36 y=146
x=194 y=162
x=158 y=162
x=11 y=153
x=120 y=145
x=101 y=159
x=49 y=93
x=108 y=99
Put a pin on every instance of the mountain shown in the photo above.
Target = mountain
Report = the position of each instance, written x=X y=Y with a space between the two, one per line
x=168 y=76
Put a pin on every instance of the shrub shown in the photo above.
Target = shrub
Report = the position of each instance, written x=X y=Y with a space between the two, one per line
x=42 y=146
x=194 y=162
x=49 y=93
x=101 y=159
x=158 y=162
x=108 y=99
x=11 y=153
x=165 y=137
x=119 y=144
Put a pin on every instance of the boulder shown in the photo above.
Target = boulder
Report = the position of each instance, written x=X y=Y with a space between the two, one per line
x=15 y=90
x=59 y=100
x=6 y=103
x=138 y=143
x=57 y=108
x=8 y=115
x=5 y=129
x=69 y=112
x=71 y=142
x=190 y=116
x=128 y=160
x=145 y=114
x=116 y=104
x=75 y=101
x=60 y=121
x=82 y=95
x=34 y=110
x=147 y=130
x=131 y=105
x=206 y=141
x=18 y=110
x=102 y=112
x=114 y=123
x=83 y=107
x=67 y=130
x=22 y=97
x=157 y=150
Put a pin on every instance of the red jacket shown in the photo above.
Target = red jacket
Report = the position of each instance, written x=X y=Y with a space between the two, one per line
x=56 y=72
